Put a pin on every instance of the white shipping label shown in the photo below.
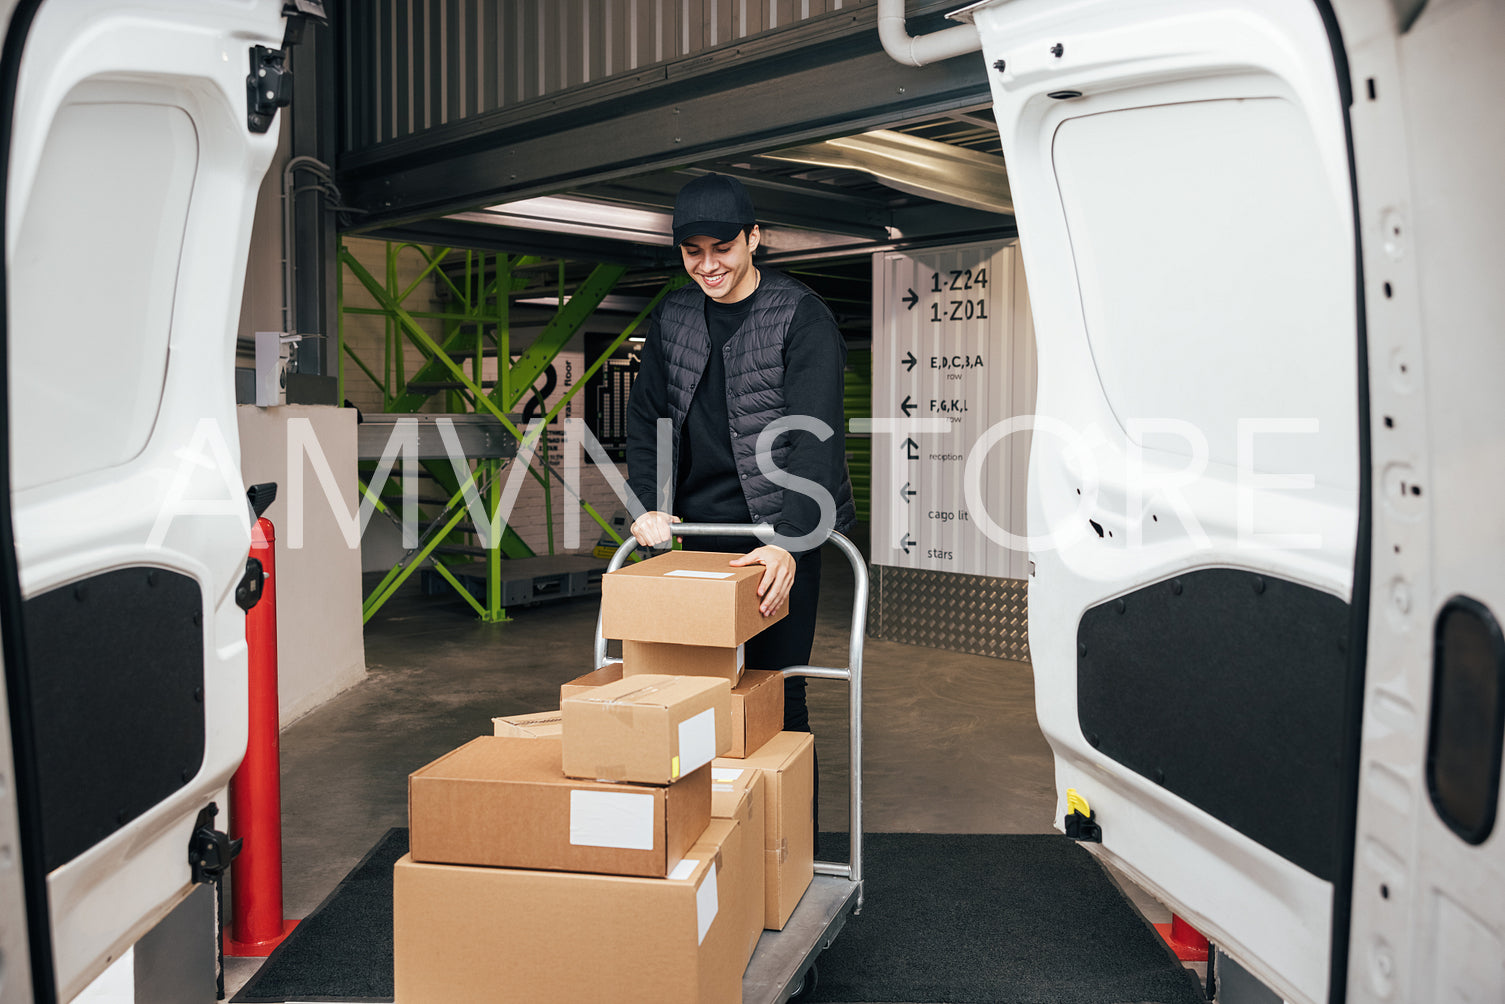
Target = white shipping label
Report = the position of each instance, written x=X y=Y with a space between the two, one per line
x=611 y=819
x=725 y=775
x=697 y=741
x=688 y=573
x=705 y=902
x=684 y=869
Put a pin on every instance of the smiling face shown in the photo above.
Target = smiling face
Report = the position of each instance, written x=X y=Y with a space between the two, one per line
x=723 y=269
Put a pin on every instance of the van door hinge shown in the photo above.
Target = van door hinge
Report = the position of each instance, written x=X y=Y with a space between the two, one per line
x=269 y=85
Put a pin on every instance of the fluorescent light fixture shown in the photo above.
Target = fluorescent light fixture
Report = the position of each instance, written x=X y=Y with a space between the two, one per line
x=561 y=215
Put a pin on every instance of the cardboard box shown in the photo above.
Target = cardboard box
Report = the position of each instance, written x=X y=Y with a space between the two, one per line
x=599 y=678
x=505 y=802
x=787 y=762
x=738 y=793
x=757 y=704
x=757 y=710
x=535 y=726
x=683 y=660
x=685 y=598
x=539 y=937
x=652 y=729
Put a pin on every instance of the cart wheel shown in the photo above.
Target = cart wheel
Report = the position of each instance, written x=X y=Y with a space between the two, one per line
x=807 y=984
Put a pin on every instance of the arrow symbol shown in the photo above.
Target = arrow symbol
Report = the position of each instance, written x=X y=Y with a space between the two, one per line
x=910 y=448
x=912 y=299
x=907 y=406
x=906 y=543
x=906 y=493
x=909 y=361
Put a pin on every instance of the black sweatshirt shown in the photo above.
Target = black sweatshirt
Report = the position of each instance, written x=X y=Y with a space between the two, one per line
x=709 y=489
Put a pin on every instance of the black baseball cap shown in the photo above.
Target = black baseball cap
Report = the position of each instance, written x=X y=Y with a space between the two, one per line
x=713 y=205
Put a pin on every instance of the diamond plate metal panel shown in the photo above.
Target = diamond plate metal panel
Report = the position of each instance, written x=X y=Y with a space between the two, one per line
x=976 y=614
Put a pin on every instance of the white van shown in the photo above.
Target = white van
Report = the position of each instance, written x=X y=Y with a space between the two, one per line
x=1261 y=238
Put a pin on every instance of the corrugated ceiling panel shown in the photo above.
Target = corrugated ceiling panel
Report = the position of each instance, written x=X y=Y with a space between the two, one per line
x=413 y=65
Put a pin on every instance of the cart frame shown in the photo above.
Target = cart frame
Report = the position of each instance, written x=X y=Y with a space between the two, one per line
x=785 y=959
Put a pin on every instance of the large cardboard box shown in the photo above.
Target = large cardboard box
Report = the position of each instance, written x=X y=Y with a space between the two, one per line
x=537 y=937
x=739 y=794
x=685 y=598
x=652 y=729
x=787 y=762
x=683 y=660
x=505 y=802
x=757 y=704
x=535 y=726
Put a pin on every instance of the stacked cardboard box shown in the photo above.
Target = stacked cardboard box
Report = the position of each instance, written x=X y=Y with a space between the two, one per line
x=696 y=596
x=757 y=707
x=787 y=766
x=686 y=612
x=615 y=819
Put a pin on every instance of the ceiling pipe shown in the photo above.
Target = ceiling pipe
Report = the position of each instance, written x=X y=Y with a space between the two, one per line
x=920 y=50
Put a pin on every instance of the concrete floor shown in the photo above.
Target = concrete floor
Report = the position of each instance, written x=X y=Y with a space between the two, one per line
x=951 y=741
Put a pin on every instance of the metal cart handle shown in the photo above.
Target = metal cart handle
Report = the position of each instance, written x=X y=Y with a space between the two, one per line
x=852 y=673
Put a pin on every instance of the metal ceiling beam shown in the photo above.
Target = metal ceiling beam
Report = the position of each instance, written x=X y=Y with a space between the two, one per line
x=973 y=120
x=513 y=240
x=752 y=106
x=778 y=203
x=914 y=165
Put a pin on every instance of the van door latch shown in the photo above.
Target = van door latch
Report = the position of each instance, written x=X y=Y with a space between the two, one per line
x=210 y=851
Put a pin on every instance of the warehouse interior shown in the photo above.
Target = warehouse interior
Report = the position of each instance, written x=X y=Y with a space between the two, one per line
x=469 y=216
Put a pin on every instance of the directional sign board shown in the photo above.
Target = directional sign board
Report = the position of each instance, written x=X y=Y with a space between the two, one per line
x=953 y=362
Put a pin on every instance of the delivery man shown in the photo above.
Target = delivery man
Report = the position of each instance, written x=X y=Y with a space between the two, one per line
x=744 y=368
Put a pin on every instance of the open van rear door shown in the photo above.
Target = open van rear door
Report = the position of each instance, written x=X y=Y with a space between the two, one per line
x=131 y=177
x=1197 y=504
x=1262 y=241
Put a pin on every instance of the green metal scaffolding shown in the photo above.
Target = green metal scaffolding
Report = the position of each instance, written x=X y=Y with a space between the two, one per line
x=480 y=289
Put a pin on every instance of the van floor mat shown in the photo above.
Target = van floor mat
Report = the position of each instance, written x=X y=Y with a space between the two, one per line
x=985 y=918
x=954 y=918
x=342 y=951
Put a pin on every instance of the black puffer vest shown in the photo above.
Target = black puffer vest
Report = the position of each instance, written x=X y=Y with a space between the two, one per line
x=754 y=359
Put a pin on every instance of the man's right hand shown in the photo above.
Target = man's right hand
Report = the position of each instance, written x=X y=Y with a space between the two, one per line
x=652 y=528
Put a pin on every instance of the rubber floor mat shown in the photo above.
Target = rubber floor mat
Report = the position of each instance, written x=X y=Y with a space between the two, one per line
x=989 y=918
x=949 y=919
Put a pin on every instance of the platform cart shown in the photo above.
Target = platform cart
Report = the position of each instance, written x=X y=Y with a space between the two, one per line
x=783 y=965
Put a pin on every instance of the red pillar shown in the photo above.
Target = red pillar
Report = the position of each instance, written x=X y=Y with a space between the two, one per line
x=1186 y=941
x=257 y=925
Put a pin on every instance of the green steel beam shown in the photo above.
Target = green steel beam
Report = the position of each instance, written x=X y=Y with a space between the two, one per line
x=531 y=364
x=511 y=545
x=426 y=341
x=494 y=611
x=364 y=369
x=449 y=577
x=428 y=269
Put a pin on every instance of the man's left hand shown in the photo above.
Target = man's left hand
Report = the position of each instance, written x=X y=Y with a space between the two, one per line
x=778 y=575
